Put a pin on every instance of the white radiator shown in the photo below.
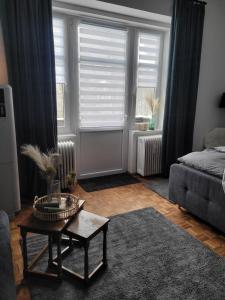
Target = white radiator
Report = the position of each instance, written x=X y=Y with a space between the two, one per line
x=149 y=155
x=66 y=149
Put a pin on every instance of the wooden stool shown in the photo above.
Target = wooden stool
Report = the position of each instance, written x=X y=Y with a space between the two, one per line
x=84 y=227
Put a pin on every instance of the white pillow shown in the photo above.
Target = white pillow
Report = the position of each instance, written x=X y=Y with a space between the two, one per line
x=215 y=138
x=220 y=149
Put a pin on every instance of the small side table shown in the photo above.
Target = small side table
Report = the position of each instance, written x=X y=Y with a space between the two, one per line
x=54 y=232
x=84 y=227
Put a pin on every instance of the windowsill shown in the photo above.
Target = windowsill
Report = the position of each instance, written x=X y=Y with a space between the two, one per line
x=150 y=132
x=94 y=129
x=64 y=137
x=73 y=136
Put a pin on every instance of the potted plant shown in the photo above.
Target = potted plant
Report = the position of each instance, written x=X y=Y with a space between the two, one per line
x=71 y=181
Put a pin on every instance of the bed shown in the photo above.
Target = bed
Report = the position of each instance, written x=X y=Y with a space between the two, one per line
x=195 y=184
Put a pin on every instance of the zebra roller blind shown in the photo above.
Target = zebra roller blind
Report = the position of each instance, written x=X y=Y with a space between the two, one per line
x=59 y=48
x=148 y=71
x=102 y=75
x=148 y=60
x=58 y=29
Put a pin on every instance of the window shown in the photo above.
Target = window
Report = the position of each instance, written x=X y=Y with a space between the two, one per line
x=102 y=76
x=148 y=71
x=102 y=69
x=58 y=30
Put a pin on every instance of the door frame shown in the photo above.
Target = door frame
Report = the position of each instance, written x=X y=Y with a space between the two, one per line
x=78 y=130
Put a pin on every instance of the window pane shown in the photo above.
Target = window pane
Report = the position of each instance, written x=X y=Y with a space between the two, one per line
x=102 y=76
x=147 y=72
x=59 y=47
x=60 y=100
x=143 y=99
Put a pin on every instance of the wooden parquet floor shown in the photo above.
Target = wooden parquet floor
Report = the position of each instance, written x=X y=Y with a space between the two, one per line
x=121 y=200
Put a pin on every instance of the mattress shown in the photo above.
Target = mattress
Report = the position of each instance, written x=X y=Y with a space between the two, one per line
x=210 y=161
x=198 y=192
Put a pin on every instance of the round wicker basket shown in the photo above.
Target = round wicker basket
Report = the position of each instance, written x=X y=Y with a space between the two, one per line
x=68 y=210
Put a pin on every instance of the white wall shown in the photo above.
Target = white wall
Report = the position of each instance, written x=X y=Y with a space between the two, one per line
x=3 y=68
x=163 y=7
x=212 y=73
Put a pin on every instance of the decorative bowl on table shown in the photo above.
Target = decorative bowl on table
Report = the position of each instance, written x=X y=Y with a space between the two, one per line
x=61 y=206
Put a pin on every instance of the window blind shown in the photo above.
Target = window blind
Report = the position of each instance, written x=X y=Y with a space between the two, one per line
x=59 y=47
x=149 y=48
x=58 y=31
x=102 y=79
x=148 y=60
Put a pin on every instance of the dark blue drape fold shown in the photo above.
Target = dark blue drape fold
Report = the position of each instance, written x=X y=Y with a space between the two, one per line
x=183 y=76
x=28 y=36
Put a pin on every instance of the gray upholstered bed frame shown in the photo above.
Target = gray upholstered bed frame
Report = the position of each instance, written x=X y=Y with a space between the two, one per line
x=200 y=193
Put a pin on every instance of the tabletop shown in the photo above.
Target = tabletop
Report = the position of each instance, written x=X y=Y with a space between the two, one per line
x=32 y=224
x=85 y=225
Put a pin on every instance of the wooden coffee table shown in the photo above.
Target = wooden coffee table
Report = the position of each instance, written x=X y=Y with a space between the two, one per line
x=84 y=227
x=54 y=232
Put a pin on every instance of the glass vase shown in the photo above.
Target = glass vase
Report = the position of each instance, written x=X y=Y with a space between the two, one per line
x=53 y=190
x=49 y=185
x=152 y=123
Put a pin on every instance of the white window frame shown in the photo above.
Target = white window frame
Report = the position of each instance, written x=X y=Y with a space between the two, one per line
x=72 y=54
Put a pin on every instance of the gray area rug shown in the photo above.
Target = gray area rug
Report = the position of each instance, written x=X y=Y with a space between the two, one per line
x=149 y=258
x=159 y=185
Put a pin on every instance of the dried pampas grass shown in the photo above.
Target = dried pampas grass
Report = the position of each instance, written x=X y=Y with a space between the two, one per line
x=45 y=162
x=153 y=103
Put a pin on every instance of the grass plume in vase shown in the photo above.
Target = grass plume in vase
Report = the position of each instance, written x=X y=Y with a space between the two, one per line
x=47 y=163
x=153 y=104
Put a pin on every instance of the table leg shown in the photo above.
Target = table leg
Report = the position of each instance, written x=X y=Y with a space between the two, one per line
x=105 y=229
x=59 y=255
x=24 y=246
x=50 y=259
x=86 y=246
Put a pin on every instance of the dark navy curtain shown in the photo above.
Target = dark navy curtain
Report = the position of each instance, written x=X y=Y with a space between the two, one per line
x=183 y=76
x=28 y=36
